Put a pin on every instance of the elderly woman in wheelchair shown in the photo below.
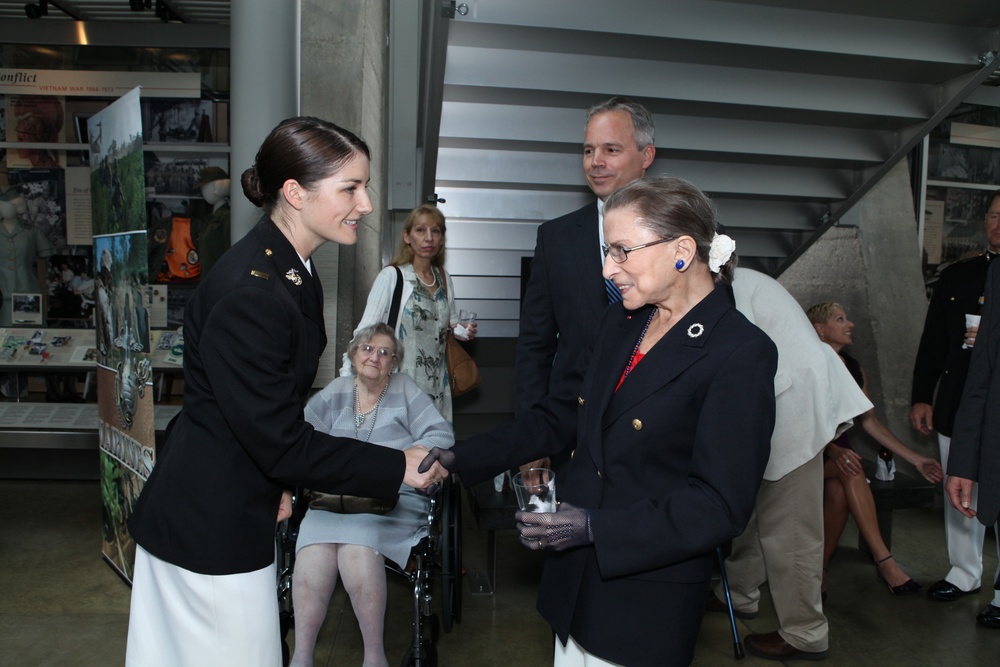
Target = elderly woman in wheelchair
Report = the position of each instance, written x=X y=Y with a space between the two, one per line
x=386 y=409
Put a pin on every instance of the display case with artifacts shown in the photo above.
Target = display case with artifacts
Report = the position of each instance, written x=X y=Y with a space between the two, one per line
x=212 y=231
x=21 y=246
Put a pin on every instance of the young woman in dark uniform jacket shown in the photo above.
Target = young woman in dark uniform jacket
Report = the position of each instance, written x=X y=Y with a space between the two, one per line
x=203 y=590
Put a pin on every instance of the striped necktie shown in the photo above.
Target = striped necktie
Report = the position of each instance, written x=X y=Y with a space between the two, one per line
x=614 y=294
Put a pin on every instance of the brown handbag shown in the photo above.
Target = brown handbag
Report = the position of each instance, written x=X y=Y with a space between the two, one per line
x=463 y=374
x=342 y=503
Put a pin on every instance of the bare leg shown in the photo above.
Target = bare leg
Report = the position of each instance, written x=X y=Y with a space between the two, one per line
x=312 y=586
x=862 y=507
x=363 y=572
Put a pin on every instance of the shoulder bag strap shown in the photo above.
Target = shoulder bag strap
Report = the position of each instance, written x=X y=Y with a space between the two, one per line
x=397 y=296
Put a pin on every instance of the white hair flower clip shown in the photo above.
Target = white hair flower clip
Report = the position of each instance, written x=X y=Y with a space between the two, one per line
x=720 y=251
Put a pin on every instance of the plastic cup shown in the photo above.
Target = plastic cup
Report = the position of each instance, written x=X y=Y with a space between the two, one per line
x=971 y=321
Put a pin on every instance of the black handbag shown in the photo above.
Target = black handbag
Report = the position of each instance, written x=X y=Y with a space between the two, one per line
x=342 y=503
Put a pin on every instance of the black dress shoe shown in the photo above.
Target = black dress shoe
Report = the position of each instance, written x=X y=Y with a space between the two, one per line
x=945 y=591
x=989 y=617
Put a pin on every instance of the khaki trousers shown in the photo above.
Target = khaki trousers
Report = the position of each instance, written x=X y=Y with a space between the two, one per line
x=783 y=545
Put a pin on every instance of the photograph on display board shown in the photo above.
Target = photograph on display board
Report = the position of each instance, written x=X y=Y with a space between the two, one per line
x=71 y=287
x=27 y=308
x=126 y=462
x=117 y=181
x=177 y=120
x=44 y=192
x=121 y=296
x=177 y=176
x=36 y=119
x=964 y=164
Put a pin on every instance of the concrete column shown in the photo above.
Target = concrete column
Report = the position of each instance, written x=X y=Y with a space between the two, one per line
x=344 y=77
x=871 y=266
x=264 y=50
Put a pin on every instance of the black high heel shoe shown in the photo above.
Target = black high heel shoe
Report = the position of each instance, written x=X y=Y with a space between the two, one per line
x=908 y=587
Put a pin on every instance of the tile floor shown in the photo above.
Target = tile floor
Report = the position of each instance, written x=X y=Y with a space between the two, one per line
x=61 y=605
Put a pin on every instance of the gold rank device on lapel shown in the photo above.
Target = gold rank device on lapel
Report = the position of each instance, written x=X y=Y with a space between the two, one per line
x=259 y=274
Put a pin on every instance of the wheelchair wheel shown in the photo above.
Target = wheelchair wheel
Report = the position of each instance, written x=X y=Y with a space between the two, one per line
x=425 y=656
x=451 y=555
x=434 y=623
x=285 y=536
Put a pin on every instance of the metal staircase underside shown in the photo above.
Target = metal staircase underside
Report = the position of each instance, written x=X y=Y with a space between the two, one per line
x=786 y=111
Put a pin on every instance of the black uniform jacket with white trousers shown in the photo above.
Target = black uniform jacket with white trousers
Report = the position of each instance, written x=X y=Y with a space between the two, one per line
x=975 y=444
x=941 y=361
x=670 y=465
x=253 y=335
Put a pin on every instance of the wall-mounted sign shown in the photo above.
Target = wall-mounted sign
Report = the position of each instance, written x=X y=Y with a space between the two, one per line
x=16 y=81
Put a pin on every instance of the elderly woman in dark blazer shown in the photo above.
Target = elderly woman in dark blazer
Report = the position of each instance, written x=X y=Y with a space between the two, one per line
x=671 y=430
x=204 y=585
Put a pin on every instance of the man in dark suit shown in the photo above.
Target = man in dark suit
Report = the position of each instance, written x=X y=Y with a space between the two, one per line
x=975 y=450
x=943 y=362
x=566 y=294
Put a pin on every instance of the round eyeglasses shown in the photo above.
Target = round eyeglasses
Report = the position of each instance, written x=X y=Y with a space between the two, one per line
x=382 y=352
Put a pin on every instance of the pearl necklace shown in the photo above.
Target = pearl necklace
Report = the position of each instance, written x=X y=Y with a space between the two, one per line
x=635 y=350
x=433 y=281
x=359 y=417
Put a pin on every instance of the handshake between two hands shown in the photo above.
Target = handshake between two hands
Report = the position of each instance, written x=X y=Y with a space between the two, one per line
x=426 y=469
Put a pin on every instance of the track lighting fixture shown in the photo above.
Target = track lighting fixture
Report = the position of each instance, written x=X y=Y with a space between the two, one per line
x=36 y=10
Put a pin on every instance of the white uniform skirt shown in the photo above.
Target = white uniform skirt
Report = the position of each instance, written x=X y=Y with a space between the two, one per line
x=179 y=617
x=574 y=655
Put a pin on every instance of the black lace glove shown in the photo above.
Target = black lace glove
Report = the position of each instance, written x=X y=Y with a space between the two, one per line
x=445 y=457
x=564 y=529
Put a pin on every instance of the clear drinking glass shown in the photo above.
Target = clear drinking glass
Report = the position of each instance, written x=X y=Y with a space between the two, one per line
x=535 y=489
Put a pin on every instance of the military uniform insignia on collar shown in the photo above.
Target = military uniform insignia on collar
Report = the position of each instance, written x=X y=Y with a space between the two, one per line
x=268 y=252
x=259 y=274
x=294 y=276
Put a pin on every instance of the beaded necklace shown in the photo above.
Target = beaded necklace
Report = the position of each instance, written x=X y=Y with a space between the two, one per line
x=433 y=281
x=359 y=417
x=635 y=350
